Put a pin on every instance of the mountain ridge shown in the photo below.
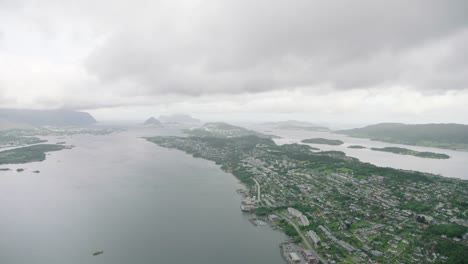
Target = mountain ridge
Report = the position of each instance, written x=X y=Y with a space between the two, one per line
x=58 y=117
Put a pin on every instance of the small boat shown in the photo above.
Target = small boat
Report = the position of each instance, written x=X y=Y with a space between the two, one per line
x=97 y=253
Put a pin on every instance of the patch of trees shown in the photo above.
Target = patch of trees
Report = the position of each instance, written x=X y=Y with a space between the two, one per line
x=243 y=175
x=450 y=230
x=456 y=253
x=418 y=207
x=288 y=229
x=263 y=211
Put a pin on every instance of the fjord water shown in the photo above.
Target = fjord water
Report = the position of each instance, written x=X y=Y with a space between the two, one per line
x=455 y=167
x=134 y=200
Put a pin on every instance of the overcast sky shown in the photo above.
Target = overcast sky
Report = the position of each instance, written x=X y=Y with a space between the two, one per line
x=325 y=61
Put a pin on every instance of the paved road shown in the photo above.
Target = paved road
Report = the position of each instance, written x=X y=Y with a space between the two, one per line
x=306 y=242
x=258 y=190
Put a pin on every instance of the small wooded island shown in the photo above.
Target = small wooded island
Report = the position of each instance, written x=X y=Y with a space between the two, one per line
x=324 y=141
x=404 y=151
x=356 y=147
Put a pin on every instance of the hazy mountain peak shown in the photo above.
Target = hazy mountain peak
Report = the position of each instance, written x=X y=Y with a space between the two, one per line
x=59 y=117
x=152 y=121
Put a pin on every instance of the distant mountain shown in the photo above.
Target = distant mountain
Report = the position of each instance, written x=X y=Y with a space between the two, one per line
x=296 y=125
x=179 y=119
x=152 y=122
x=221 y=129
x=449 y=136
x=46 y=117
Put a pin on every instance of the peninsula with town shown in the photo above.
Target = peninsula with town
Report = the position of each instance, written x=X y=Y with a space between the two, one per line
x=335 y=208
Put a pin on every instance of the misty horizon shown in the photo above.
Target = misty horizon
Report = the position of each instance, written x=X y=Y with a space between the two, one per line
x=317 y=61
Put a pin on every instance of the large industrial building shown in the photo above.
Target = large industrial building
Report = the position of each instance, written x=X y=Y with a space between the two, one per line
x=294 y=257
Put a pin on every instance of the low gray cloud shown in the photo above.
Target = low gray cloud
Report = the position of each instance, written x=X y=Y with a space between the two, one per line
x=262 y=55
x=255 y=46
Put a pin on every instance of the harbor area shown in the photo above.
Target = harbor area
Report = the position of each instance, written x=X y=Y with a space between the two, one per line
x=296 y=254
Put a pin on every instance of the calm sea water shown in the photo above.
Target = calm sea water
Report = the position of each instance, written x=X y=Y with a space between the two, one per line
x=455 y=167
x=137 y=202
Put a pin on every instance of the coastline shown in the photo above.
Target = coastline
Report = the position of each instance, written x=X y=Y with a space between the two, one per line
x=294 y=247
